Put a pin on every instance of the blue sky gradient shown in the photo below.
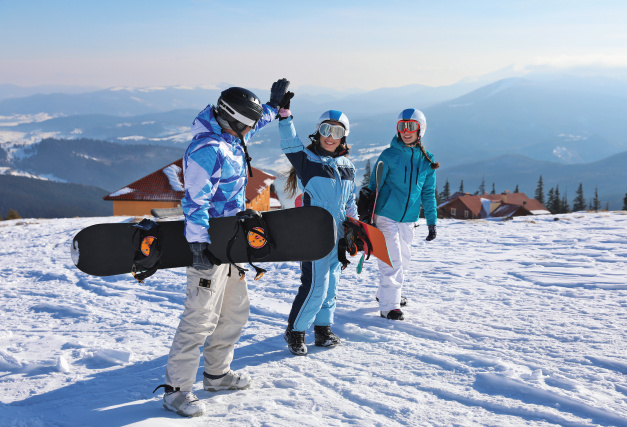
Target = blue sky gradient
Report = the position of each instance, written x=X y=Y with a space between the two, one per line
x=341 y=45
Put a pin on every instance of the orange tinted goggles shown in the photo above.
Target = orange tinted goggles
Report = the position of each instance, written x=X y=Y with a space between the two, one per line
x=410 y=126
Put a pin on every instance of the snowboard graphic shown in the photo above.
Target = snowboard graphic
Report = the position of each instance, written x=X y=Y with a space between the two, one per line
x=299 y=234
x=379 y=247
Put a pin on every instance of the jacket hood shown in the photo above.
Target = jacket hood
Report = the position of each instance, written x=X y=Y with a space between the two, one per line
x=205 y=121
x=400 y=145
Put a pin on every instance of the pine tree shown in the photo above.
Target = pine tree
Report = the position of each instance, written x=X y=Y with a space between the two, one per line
x=516 y=189
x=625 y=202
x=446 y=191
x=493 y=189
x=481 y=190
x=579 y=204
x=540 y=191
x=556 y=207
x=366 y=180
x=564 y=206
x=550 y=201
x=12 y=214
x=595 y=205
x=461 y=186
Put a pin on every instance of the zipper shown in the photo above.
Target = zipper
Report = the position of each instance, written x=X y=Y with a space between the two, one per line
x=405 y=174
x=411 y=171
x=417 y=174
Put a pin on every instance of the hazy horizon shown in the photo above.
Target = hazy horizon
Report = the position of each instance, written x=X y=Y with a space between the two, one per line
x=353 y=46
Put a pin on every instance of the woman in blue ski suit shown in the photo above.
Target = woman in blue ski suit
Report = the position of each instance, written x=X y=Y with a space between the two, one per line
x=327 y=179
x=408 y=179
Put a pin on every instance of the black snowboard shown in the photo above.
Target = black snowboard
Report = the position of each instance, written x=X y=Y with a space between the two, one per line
x=299 y=234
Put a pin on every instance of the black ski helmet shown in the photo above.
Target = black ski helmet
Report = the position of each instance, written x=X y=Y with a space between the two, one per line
x=239 y=107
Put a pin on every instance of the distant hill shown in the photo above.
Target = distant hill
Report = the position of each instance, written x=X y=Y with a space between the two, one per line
x=36 y=198
x=15 y=91
x=98 y=163
x=566 y=121
x=4 y=158
x=170 y=128
x=119 y=102
x=608 y=175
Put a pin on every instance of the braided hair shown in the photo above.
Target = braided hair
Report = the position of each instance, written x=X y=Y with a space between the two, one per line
x=418 y=143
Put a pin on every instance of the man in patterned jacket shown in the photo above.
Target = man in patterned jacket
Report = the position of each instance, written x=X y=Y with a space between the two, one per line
x=216 y=166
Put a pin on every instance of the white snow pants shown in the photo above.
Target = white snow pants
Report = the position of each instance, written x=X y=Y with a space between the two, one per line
x=398 y=238
x=216 y=310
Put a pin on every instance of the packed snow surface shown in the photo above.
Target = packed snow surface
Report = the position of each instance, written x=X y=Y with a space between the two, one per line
x=520 y=322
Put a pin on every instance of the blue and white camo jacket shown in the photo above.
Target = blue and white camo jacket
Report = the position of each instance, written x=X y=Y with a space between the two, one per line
x=215 y=172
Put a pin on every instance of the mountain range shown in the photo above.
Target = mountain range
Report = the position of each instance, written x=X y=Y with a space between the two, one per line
x=567 y=129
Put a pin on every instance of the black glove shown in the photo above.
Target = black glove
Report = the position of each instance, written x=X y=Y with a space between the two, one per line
x=365 y=204
x=201 y=260
x=277 y=92
x=285 y=101
x=432 y=233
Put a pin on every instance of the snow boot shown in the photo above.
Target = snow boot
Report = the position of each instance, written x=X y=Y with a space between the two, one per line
x=295 y=341
x=393 y=314
x=403 y=301
x=324 y=337
x=229 y=381
x=184 y=403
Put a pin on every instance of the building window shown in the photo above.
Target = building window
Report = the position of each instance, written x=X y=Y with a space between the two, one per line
x=465 y=213
x=453 y=211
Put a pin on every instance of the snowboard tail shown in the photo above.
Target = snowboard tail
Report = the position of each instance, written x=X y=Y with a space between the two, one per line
x=377 y=241
x=299 y=234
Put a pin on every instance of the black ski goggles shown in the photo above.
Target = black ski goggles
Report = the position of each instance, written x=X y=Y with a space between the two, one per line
x=410 y=126
x=335 y=131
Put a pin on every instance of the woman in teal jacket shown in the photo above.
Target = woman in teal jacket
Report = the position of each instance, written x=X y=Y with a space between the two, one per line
x=408 y=180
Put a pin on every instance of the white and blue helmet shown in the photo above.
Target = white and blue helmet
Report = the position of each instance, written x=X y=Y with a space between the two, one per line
x=413 y=114
x=337 y=116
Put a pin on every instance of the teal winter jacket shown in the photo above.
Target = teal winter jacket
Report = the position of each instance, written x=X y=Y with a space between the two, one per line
x=407 y=181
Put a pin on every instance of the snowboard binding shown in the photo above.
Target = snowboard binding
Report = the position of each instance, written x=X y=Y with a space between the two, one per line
x=355 y=240
x=147 y=242
x=259 y=243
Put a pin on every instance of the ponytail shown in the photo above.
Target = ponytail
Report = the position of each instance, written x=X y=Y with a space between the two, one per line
x=418 y=143
x=434 y=165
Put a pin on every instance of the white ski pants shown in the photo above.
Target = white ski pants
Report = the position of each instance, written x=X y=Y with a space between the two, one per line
x=216 y=310
x=398 y=238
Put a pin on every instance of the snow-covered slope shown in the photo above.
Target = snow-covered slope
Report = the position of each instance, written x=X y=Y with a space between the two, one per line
x=519 y=322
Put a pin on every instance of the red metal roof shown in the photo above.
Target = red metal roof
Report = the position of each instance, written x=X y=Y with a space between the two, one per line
x=508 y=210
x=474 y=201
x=167 y=184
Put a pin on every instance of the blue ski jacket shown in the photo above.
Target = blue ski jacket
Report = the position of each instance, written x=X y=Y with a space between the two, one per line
x=215 y=173
x=407 y=181
x=326 y=181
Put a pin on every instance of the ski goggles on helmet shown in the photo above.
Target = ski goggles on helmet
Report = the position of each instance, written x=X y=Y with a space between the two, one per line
x=335 y=131
x=410 y=126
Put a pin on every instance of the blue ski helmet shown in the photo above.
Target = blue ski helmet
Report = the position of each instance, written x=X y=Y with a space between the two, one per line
x=337 y=116
x=413 y=114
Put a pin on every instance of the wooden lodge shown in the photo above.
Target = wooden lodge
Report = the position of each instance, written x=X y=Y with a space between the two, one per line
x=504 y=205
x=164 y=189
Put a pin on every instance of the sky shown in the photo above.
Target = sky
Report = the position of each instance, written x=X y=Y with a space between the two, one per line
x=341 y=45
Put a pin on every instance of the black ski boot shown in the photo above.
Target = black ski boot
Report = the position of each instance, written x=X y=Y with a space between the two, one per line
x=393 y=314
x=403 y=301
x=295 y=341
x=324 y=337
